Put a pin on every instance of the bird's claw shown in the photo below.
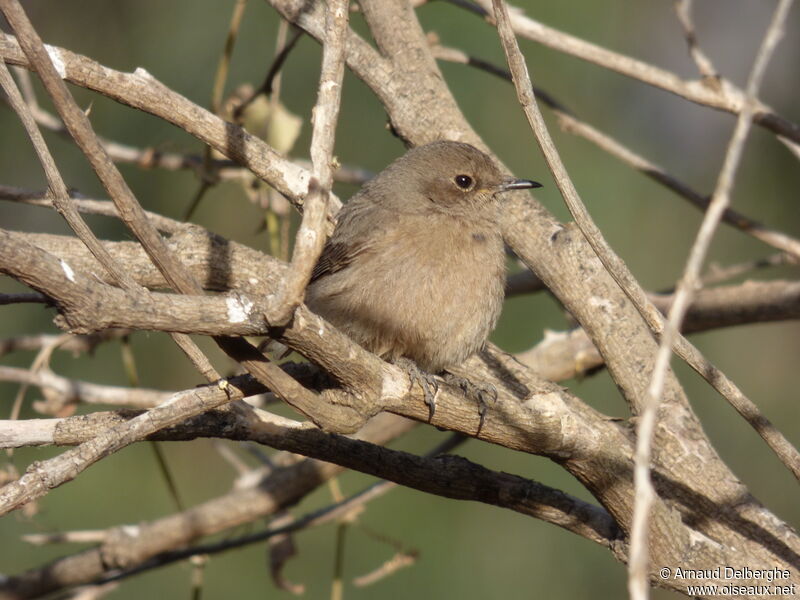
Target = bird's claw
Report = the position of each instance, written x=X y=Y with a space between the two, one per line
x=482 y=393
x=428 y=383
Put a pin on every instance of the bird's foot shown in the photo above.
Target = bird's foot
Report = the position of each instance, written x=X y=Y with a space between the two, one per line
x=424 y=379
x=484 y=394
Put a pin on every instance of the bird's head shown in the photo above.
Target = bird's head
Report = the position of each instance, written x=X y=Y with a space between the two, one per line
x=452 y=176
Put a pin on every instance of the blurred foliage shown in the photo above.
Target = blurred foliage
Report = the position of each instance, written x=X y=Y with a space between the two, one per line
x=466 y=550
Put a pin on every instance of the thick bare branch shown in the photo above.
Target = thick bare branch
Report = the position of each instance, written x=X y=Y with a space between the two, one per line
x=450 y=476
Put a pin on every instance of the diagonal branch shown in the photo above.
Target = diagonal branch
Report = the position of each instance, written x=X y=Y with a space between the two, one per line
x=41 y=477
x=130 y=211
x=58 y=189
x=617 y=268
x=638 y=566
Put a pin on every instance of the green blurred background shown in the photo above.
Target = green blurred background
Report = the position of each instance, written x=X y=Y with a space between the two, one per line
x=466 y=550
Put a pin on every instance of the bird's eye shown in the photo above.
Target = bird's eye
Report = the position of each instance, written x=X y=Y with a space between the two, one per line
x=463 y=181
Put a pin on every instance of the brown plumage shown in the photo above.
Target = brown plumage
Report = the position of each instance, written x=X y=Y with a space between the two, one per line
x=415 y=268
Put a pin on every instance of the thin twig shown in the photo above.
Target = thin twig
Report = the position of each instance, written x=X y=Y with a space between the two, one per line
x=40 y=362
x=638 y=565
x=776 y=239
x=311 y=235
x=400 y=560
x=729 y=98
x=85 y=536
x=683 y=8
x=77 y=344
x=105 y=208
x=717 y=274
x=93 y=592
x=272 y=75
x=221 y=75
x=23 y=298
x=208 y=174
x=277 y=219
x=76 y=390
x=459 y=56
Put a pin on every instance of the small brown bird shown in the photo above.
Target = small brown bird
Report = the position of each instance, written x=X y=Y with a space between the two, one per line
x=415 y=268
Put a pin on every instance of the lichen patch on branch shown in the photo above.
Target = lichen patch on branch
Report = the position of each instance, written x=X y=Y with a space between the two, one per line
x=239 y=308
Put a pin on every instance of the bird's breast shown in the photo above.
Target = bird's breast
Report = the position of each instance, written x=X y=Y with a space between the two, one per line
x=442 y=290
x=429 y=289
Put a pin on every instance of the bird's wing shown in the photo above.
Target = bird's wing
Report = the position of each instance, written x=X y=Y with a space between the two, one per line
x=356 y=232
x=335 y=257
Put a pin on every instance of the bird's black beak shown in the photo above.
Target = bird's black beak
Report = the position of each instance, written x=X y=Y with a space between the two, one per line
x=518 y=184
